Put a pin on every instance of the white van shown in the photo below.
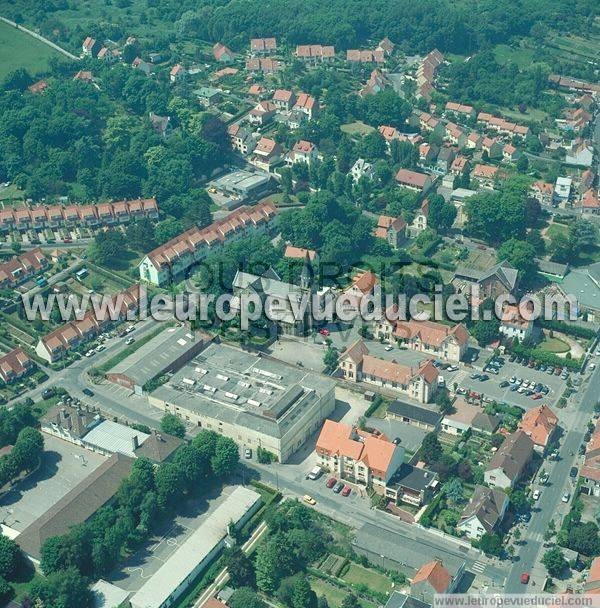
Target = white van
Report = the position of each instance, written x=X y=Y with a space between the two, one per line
x=315 y=473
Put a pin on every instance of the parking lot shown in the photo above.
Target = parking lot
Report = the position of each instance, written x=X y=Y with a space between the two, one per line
x=64 y=465
x=136 y=570
x=491 y=387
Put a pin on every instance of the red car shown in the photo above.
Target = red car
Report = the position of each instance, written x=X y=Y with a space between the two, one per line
x=537 y=396
x=331 y=482
x=324 y=332
x=525 y=578
x=558 y=371
x=346 y=491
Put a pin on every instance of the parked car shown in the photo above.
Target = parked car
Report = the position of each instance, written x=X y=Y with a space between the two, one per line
x=389 y=347
x=573 y=472
x=47 y=393
x=536 y=495
x=525 y=578
x=89 y=392
x=544 y=478
x=248 y=453
x=504 y=384
x=550 y=371
x=331 y=482
x=130 y=340
x=346 y=491
x=324 y=331
x=537 y=396
x=483 y=378
x=309 y=499
x=566 y=496
x=452 y=368
x=339 y=487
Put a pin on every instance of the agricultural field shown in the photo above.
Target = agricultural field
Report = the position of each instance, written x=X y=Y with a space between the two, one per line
x=19 y=50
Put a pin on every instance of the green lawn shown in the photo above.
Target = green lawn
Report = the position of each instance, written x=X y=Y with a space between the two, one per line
x=554 y=345
x=506 y=54
x=19 y=50
x=356 y=128
x=334 y=595
x=358 y=575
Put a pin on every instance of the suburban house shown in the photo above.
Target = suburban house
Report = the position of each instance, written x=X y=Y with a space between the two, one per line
x=358 y=456
x=514 y=325
x=581 y=153
x=15 y=365
x=376 y=83
x=266 y=154
x=486 y=175
x=590 y=202
x=510 y=153
x=414 y=415
x=419 y=383
x=431 y=579
x=177 y=73
x=361 y=168
x=460 y=109
x=590 y=472
x=241 y=139
x=22 y=267
x=419 y=222
x=412 y=485
x=363 y=284
x=429 y=337
x=284 y=99
x=307 y=104
x=562 y=189
x=592 y=583
x=510 y=462
x=540 y=424
x=461 y=419
x=90 y=47
x=58 y=343
x=412 y=180
x=175 y=257
x=302 y=152
x=543 y=192
x=222 y=53
x=299 y=253
x=386 y=45
x=392 y=230
x=262 y=113
x=484 y=513
x=492 y=146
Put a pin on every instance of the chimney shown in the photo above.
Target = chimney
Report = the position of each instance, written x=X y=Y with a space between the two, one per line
x=135 y=442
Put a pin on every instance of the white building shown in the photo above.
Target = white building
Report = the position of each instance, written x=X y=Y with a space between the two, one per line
x=484 y=513
x=362 y=168
x=562 y=189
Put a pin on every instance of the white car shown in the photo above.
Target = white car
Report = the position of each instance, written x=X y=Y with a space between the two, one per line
x=130 y=341
x=536 y=494
x=565 y=497
x=452 y=368
x=389 y=347
x=513 y=379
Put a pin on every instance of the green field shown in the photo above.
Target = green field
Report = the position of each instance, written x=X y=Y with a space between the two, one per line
x=555 y=345
x=356 y=128
x=507 y=54
x=19 y=50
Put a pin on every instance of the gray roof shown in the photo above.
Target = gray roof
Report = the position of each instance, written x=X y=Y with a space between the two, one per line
x=414 y=412
x=258 y=393
x=156 y=356
x=412 y=477
x=269 y=285
x=113 y=437
x=486 y=504
x=77 y=421
x=487 y=423
x=78 y=505
x=513 y=455
x=552 y=268
x=408 y=554
x=401 y=600
x=586 y=289
x=503 y=272
x=159 y=447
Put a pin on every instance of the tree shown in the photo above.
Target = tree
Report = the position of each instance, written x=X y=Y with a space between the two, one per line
x=167 y=229
x=302 y=595
x=172 y=425
x=331 y=357
x=431 y=448
x=444 y=402
x=485 y=331
x=521 y=255
x=140 y=234
x=491 y=544
x=66 y=589
x=350 y=601
x=107 y=247
x=441 y=214
x=225 y=458
x=240 y=568
x=555 y=561
x=454 y=491
x=246 y=598
x=519 y=501
x=9 y=557
x=27 y=449
x=273 y=563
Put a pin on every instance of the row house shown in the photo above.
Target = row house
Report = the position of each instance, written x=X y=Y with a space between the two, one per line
x=577 y=119
x=57 y=344
x=492 y=146
x=574 y=84
x=430 y=124
x=15 y=365
x=263 y=46
x=358 y=456
x=241 y=139
x=391 y=134
x=426 y=73
x=486 y=175
x=459 y=108
x=419 y=383
x=315 y=53
x=173 y=259
x=437 y=339
x=266 y=65
x=590 y=471
x=365 y=56
x=266 y=154
x=502 y=125
x=59 y=216
x=22 y=267
x=302 y=152
x=284 y=99
x=455 y=135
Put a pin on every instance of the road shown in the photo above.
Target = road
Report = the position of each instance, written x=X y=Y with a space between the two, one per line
x=549 y=504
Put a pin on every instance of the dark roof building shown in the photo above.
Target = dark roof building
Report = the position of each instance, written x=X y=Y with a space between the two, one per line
x=78 y=505
x=401 y=600
x=159 y=447
x=415 y=415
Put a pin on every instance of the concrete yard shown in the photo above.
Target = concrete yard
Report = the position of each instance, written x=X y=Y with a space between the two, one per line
x=136 y=570
x=64 y=465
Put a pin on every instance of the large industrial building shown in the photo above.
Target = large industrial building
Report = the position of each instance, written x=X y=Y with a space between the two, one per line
x=257 y=401
x=175 y=576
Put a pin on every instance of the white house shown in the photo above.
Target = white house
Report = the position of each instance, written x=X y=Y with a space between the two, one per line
x=484 y=513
